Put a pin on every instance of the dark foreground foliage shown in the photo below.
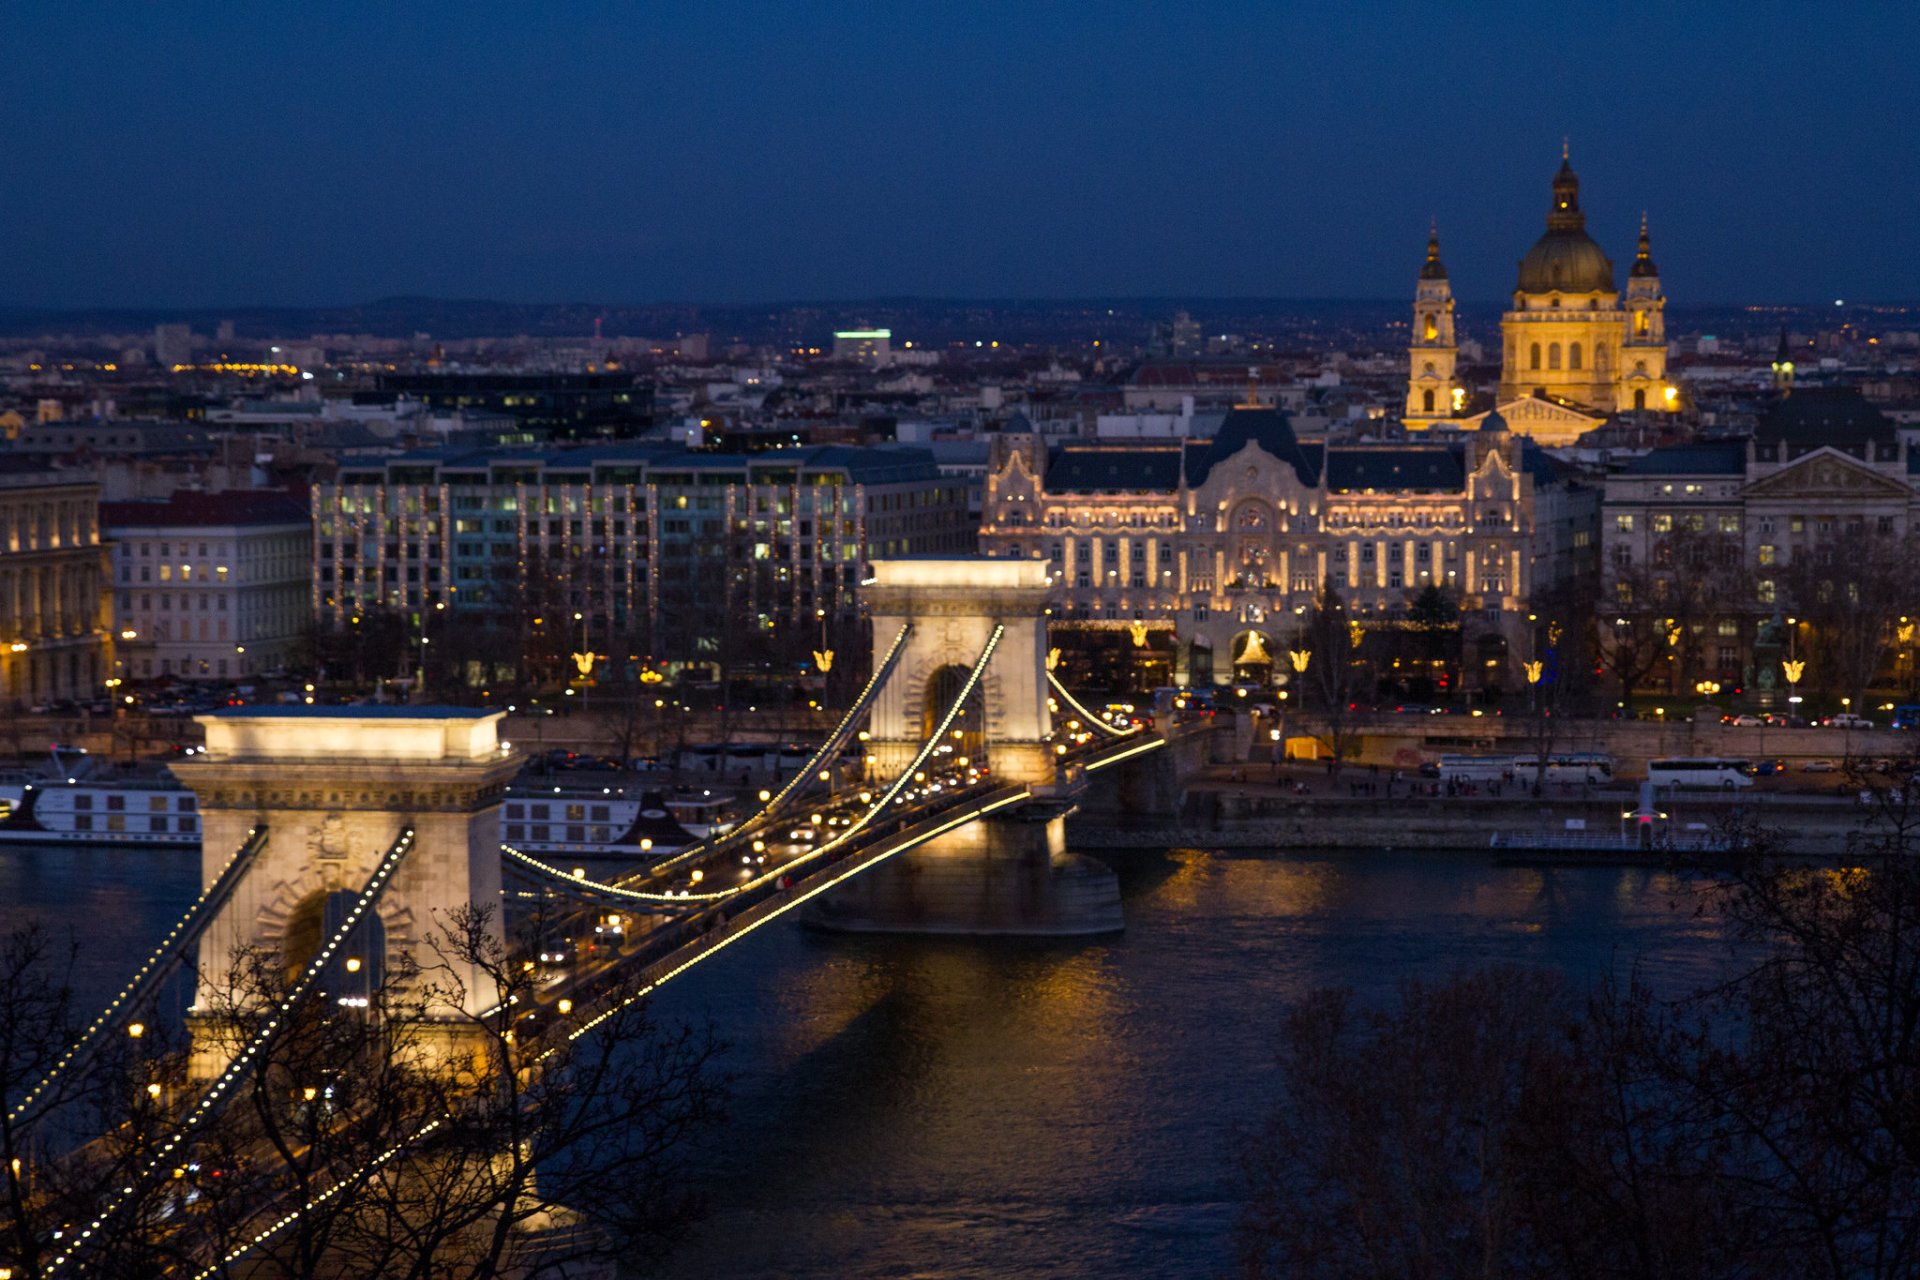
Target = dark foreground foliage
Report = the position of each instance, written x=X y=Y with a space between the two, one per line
x=1498 y=1125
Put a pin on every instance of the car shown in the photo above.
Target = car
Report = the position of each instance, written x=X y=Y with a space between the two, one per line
x=1769 y=768
x=1847 y=720
x=1817 y=766
x=1743 y=721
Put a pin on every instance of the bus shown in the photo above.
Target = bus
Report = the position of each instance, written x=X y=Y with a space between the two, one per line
x=1566 y=766
x=1711 y=772
x=1475 y=768
x=1906 y=717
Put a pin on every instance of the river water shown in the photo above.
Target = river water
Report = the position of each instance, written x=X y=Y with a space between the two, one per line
x=935 y=1108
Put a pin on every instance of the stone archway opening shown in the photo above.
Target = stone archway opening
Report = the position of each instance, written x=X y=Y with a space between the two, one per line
x=967 y=735
x=357 y=969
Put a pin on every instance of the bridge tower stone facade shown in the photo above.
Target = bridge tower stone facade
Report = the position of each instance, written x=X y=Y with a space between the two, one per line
x=997 y=875
x=335 y=788
x=954 y=603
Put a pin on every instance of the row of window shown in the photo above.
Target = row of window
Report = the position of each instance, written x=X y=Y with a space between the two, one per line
x=118 y=822
x=1729 y=522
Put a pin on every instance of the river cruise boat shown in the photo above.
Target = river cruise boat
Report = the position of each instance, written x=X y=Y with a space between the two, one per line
x=609 y=821
x=77 y=799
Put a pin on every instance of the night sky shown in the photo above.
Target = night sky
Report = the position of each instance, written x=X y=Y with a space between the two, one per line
x=188 y=154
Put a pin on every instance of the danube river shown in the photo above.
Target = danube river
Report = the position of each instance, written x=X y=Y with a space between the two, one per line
x=933 y=1108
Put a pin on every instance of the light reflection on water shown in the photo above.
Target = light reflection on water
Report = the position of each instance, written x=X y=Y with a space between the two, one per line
x=946 y=1107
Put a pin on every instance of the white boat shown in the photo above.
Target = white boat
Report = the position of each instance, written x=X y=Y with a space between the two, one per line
x=608 y=822
x=77 y=801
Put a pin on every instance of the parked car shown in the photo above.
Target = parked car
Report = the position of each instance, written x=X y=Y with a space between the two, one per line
x=1847 y=720
x=1743 y=720
x=1817 y=766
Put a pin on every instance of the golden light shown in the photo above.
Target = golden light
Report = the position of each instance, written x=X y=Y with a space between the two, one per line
x=1793 y=670
x=153 y=1091
x=1356 y=633
x=1138 y=630
x=566 y=1006
x=1300 y=658
x=353 y=964
x=1459 y=399
x=309 y=1093
x=136 y=1029
x=1053 y=658
x=823 y=658
x=583 y=662
x=1533 y=670
x=129 y=635
x=1672 y=393
x=765 y=796
x=649 y=676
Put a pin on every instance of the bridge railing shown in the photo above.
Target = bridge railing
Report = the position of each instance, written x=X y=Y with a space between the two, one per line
x=166 y=959
x=247 y=1057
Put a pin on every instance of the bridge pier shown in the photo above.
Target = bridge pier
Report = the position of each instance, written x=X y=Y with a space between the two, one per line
x=1010 y=876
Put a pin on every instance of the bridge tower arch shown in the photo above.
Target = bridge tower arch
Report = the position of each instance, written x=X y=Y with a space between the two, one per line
x=336 y=787
x=953 y=604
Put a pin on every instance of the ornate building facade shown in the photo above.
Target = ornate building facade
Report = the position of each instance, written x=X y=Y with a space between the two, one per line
x=1570 y=336
x=1738 y=552
x=1216 y=549
x=54 y=606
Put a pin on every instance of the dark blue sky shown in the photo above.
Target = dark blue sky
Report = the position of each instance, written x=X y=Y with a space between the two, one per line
x=202 y=154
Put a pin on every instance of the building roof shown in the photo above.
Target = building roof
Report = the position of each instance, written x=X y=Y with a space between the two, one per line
x=1427 y=468
x=189 y=508
x=1432 y=269
x=1565 y=259
x=1267 y=429
x=1815 y=416
x=895 y=464
x=1724 y=458
x=1104 y=468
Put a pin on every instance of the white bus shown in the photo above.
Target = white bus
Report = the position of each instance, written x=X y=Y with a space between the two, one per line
x=1567 y=766
x=1475 y=768
x=1711 y=772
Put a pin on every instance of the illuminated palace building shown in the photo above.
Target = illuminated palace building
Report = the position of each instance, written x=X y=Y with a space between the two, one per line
x=1206 y=556
x=1574 y=349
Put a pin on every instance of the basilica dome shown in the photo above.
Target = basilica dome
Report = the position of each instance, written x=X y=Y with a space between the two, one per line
x=1565 y=259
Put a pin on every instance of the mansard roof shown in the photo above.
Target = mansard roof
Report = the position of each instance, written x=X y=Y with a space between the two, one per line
x=1815 y=417
x=1101 y=468
x=1388 y=470
x=1267 y=429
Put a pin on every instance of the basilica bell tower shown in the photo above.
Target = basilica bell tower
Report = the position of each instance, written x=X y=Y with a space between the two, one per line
x=1433 y=386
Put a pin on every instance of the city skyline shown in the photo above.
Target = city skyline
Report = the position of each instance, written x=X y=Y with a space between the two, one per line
x=754 y=154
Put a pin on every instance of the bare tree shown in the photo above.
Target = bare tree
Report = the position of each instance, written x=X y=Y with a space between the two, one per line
x=413 y=1139
x=1334 y=673
x=1850 y=589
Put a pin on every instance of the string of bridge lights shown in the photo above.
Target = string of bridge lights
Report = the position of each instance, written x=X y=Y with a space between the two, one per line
x=757 y=915
x=353 y=1179
x=878 y=806
x=1113 y=731
x=215 y=892
x=833 y=743
x=242 y=1062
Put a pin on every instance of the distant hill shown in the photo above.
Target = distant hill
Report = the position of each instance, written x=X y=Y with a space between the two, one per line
x=932 y=321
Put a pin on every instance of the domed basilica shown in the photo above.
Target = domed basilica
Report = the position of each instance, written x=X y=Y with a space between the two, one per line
x=1574 y=349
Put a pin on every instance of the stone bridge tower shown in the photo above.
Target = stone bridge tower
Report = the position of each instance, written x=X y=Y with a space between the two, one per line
x=954 y=604
x=335 y=787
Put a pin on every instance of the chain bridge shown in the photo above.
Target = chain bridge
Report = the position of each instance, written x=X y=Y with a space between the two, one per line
x=337 y=838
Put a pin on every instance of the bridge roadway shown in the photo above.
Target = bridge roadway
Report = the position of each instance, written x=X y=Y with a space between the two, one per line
x=636 y=945
x=676 y=913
